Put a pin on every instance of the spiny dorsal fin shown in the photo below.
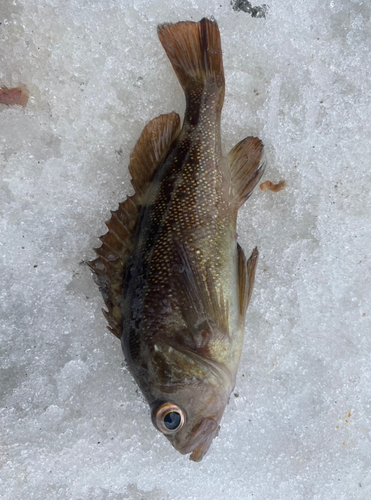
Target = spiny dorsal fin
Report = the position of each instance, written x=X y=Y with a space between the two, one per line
x=246 y=277
x=109 y=268
x=194 y=50
x=113 y=254
x=151 y=149
x=246 y=166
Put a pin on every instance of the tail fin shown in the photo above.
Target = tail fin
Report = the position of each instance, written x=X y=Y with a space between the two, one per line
x=194 y=50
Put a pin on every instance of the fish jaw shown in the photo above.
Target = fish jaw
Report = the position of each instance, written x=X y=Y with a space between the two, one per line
x=202 y=436
x=198 y=453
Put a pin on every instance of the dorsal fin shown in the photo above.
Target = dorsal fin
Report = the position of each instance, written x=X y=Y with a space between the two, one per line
x=151 y=149
x=246 y=277
x=247 y=167
x=112 y=256
x=109 y=268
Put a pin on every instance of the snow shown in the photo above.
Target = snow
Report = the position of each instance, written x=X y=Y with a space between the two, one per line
x=73 y=424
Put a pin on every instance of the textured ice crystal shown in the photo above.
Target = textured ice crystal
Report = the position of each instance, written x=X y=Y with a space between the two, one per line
x=72 y=423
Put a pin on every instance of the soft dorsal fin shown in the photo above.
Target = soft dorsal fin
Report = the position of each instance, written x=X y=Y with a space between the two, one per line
x=246 y=166
x=109 y=268
x=246 y=277
x=151 y=149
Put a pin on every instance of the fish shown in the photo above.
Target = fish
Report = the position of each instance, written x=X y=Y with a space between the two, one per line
x=174 y=279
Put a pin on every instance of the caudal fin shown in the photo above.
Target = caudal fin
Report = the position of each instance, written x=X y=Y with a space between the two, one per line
x=194 y=50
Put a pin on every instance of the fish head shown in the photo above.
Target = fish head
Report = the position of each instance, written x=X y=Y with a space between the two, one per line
x=189 y=414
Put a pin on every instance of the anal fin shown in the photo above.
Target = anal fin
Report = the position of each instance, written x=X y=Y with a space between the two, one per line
x=247 y=167
x=246 y=278
x=251 y=266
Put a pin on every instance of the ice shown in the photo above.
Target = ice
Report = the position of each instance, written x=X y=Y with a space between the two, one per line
x=73 y=424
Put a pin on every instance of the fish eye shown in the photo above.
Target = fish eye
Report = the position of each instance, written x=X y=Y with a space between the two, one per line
x=169 y=418
x=172 y=420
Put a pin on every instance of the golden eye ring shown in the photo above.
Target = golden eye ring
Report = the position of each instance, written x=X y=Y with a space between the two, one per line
x=169 y=418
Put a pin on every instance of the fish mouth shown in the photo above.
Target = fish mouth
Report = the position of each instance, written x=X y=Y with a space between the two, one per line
x=202 y=435
x=201 y=450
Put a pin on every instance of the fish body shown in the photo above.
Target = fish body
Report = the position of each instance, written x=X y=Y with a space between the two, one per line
x=177 y=284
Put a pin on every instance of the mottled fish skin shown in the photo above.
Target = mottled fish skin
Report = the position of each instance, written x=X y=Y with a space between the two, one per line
x=186 y=283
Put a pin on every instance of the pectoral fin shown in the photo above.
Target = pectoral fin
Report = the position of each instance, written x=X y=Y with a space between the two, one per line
x=203 y=306
x=247 y=167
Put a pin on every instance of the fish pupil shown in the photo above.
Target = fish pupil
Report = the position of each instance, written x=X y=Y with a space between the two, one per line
x=172 y=420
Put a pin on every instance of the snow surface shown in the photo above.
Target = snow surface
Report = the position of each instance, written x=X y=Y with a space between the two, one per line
x=73 y=425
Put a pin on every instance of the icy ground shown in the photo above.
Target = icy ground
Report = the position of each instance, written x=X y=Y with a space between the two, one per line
x=72 y=423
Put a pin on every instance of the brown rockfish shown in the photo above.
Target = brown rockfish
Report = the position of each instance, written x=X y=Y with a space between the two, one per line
x=175 y=281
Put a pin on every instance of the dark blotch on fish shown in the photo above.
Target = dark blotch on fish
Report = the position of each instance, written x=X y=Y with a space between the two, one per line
x=175 y=281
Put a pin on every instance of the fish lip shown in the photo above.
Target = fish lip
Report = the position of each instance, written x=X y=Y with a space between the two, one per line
x=201 y=450
x=202 y=435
